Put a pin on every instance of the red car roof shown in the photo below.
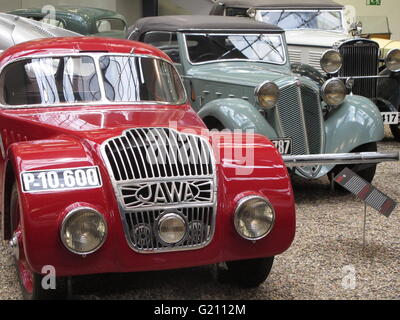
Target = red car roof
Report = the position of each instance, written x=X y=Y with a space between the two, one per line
x=72 y=45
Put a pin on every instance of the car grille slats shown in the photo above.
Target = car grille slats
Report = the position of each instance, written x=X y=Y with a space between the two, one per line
x=290 y=115
x=360 y=58
x=160 y=152
x=156 y=171
x=143 y=233
x=313 y=119
x=299 y=117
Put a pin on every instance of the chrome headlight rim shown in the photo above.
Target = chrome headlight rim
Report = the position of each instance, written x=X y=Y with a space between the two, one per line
x=64 y=224
x=389 y=54
x=258 y=91
x=323 y=91
x=163 y=218
x=324 y=55
x=240 y=204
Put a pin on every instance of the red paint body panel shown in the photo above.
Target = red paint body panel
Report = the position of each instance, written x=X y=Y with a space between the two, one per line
x=69 y=137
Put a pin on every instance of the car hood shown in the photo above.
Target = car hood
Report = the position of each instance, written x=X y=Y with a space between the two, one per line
x=98 y=124
x=314 y=38
x=240 y=73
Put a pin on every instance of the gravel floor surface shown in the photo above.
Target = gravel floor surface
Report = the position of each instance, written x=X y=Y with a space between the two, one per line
x=326 y=250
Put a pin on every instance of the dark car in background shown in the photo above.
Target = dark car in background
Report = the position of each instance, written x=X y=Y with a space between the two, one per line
x=84 y=20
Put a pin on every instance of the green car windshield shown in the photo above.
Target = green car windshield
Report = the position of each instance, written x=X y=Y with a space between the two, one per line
x=328 y=20
x=210 y=47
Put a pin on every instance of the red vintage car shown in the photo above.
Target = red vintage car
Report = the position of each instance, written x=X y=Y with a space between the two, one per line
x=106 y=168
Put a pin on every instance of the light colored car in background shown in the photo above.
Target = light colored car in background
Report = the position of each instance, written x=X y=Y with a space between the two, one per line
x=320 y=29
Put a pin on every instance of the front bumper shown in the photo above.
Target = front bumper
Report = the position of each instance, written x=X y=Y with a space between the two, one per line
x=339 y=158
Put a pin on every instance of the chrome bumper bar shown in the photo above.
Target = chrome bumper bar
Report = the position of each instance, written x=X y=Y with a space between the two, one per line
x=339 y=158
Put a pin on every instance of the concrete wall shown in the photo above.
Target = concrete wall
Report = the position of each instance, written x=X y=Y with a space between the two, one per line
x=388 y=8
x=131 y=9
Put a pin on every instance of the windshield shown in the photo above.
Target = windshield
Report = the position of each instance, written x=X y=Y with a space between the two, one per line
x=75 y=80
x=329 y=20
x=213 y=47
x=140 y=79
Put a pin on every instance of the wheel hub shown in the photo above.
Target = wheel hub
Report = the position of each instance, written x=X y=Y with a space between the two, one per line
x=14 y=246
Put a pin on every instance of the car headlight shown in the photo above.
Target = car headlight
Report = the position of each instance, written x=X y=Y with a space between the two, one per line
x=334 y=92
x=171 y=228
x=83 y=231
x=267 y=94
x=331 y=61
x=254 y=217
x=392 y=60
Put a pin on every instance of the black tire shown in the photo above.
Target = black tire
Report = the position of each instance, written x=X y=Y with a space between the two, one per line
x=31 y=283
x=246 y=273
x=395 y=128
x=213 y=124
x=365 y=171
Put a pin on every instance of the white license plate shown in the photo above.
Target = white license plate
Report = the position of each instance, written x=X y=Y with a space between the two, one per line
x=390 y=117
x=284 y=145
x=61 y=179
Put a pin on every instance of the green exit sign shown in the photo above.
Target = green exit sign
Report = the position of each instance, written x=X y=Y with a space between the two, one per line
x=374 y=2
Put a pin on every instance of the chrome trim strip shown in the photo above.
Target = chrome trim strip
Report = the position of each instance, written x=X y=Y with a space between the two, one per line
x=340 y=158
x=364 y=77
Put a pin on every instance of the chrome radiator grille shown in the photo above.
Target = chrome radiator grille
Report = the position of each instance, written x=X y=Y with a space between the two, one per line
x=299 y=116
x=144 y=237
x=158 y=171
x=150 y=153
x=360 y=58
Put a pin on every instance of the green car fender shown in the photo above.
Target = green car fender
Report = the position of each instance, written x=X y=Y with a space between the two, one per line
x=356 y=122
x=235 y=113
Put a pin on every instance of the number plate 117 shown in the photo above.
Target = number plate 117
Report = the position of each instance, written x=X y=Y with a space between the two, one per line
x=390 y=117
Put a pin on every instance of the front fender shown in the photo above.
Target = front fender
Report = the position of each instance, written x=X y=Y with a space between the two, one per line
x=42 y=212
x=237 y=114
x=251 y=165
x=356 y=122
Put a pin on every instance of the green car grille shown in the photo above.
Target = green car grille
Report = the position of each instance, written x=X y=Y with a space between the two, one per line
x=299 y=117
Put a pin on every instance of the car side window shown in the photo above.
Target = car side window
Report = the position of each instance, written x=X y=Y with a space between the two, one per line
x=105 y=25
x=54 y=22
x=165 y=41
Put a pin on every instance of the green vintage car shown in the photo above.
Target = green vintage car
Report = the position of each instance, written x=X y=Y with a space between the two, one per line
x=84 y=20
x=237 y=72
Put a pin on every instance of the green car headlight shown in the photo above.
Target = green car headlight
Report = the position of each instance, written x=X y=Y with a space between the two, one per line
x=392 y=60
x=254 y=217
x=83 y=231
x=267 y=95
x=334 y=92
x=331 y=61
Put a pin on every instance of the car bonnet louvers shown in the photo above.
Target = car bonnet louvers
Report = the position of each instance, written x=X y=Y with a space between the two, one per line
x=156 y=171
